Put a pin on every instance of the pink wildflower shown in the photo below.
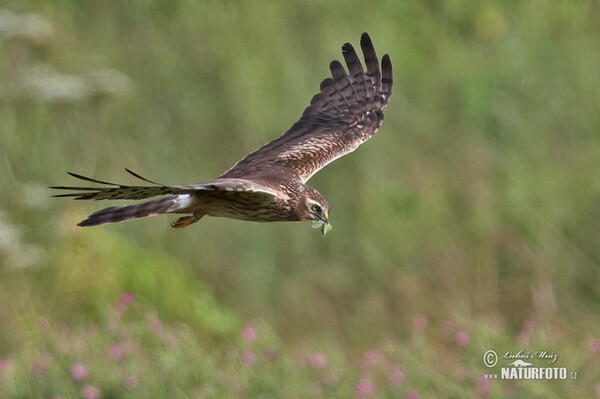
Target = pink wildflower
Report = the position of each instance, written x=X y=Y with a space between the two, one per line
x=371 y=358
x=524 y=338
x=317 y=361
x=419 y=322
x=396 y=376
x=271 y=355
x=155 y=326
x=90 y=392
x=447 y=327
x=411 y=394
x=365 y=388
x=248 y=333
x=461 y=338
x=43 y=324
x=170 y=341
x=115 y=352
x=5 y=364
x=126 y=298
x=43 y=361
x=483 y=386
x=247 y=357
x=594 y=346
x=78 y=372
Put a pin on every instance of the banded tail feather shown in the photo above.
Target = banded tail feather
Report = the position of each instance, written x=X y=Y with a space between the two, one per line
x=122 y=213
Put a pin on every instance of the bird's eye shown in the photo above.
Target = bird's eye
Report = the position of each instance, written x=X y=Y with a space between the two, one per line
x=316 y=208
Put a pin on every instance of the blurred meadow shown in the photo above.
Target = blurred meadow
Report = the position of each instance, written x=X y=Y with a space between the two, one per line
x=470 y=222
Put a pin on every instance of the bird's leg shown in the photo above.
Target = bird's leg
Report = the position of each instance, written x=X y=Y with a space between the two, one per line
x=184 y=221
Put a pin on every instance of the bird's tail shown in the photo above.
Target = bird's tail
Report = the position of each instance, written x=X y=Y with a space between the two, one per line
x=116 y=214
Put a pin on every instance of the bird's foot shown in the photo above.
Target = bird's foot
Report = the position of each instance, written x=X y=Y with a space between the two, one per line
x=184 y=221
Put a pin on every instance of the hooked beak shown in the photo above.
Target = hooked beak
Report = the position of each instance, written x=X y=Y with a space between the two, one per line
x=326 y=225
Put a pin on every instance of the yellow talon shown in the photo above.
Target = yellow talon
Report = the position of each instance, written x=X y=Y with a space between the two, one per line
x=183 y=222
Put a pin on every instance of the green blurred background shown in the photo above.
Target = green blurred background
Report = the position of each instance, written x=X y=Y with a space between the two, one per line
x=477 y=203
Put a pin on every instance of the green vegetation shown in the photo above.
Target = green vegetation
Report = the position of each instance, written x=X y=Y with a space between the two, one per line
x=470 y=222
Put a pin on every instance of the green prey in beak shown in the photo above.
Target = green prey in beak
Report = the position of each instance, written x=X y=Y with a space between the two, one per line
x=323 y=224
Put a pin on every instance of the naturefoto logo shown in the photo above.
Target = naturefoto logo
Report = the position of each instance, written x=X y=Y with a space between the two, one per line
x=522 y=365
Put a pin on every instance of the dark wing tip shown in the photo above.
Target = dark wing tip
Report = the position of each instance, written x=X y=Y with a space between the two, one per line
x=137 y=175
x=85 y=178
x=347 y=48
x=365 y=40
x=387 y=79
x=335 y=64
x=326 y=83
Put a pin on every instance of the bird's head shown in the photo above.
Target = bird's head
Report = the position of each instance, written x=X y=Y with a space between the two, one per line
x=315 y=208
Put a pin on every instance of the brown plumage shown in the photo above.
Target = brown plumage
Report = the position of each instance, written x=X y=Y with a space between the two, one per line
x=268 y=184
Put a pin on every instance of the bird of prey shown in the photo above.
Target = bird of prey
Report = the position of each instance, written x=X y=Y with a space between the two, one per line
x=268 y=185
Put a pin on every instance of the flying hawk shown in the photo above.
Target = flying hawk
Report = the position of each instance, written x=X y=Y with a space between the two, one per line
x=268 y=185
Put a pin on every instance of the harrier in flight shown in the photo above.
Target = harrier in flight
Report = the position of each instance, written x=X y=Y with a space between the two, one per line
x=268 y=185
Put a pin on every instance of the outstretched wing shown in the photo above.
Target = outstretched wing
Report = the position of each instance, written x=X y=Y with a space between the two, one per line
x=346 y=113
x=113 y=191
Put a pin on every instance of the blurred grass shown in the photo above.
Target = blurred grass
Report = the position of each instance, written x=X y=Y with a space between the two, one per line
x=478 y=201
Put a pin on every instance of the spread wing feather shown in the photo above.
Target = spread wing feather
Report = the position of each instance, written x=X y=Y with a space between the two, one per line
x=346 y=112
x=116 y=191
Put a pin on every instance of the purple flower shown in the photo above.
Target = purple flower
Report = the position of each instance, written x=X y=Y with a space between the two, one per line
x=447 y=327
x=78 y=372
x=130 y=382
x=371 y=358
x=524 y=338
x=5 y=364
x=248 y=333
x=247 y=357
x=317 y=361
x=396 y=376
x=43 y=324
x=155 y=326
x=461 y=338
x=419 y=322
x=125 y=299
x=594 y=346
x=598 y=389
x=271 y=355
x=365 y=388
x=90 y=392
x=411 y=394
x=170 y=341
x=483 y=385
x=115 y=352
x=43 y=361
